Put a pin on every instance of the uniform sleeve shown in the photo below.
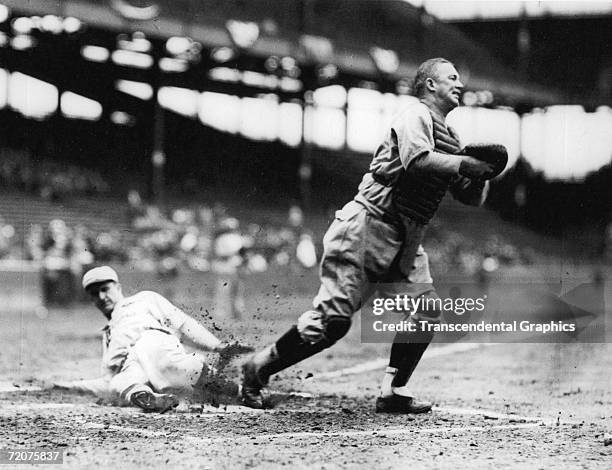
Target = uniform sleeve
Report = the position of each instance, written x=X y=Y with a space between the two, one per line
x=198 y=335
x=414 y=133
x=182 y=324
x=169 y=315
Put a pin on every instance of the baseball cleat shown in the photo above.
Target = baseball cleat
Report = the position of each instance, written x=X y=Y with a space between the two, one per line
x=250 y=393
x=151 y=401
x=401 y=404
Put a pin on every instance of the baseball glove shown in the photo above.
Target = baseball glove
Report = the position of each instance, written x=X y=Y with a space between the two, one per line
x=494 y=154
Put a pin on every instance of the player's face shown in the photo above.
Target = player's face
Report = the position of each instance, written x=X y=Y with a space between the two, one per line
x=105 y=296
x=447 y=86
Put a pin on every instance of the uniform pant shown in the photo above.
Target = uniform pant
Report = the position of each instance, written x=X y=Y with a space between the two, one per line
x=160 y=361
x=366 y=255
x=157 y=361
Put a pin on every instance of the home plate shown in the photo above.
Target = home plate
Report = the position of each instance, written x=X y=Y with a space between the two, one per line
x=213 y=410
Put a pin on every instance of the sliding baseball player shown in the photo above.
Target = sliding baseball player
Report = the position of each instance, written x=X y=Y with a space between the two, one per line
x=143 y=354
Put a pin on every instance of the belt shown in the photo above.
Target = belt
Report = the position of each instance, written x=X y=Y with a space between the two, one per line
x=159 y=329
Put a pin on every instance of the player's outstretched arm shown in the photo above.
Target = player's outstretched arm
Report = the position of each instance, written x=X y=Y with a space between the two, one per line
x=99 y=386
x=412 y=133
x=181 y=324
x=198 y=335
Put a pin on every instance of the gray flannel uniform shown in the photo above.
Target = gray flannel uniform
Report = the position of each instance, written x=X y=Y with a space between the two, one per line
x=363 y=246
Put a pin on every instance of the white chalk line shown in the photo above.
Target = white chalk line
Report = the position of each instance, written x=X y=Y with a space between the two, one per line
x=381 y=432
x=13 y=387
x=486 y=413
x=378 y=364
x=37 y=406
x=513 y=418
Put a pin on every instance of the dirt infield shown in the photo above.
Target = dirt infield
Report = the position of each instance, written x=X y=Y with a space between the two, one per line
x=503 y=406
x=497 y=405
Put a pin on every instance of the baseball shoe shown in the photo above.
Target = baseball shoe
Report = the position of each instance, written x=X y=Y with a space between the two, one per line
x=250 y=393
x=401 y=404
x=255 y=376
x=151 y=401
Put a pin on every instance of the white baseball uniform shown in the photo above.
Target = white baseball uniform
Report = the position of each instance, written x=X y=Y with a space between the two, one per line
x=142 y=348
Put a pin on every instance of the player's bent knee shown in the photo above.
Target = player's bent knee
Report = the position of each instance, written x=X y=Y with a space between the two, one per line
x=430 y=316
x=313 y=327
x=337 y=328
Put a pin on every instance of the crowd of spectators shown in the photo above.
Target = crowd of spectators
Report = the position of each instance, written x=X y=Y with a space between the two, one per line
x=451 y=251
x=193 y=238
x=186 y=238
x=47 y=178
x=203 y=239
x=166 y=242
x=10 y=248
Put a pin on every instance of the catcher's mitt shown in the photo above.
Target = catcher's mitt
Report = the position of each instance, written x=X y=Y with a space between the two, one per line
x=494 y=154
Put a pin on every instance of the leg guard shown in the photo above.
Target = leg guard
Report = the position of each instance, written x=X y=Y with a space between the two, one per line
x=287 y=351
x=408 y=347
x=291 y=349
x=410 y=355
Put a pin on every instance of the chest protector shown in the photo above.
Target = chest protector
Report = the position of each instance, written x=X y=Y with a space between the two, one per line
x=417 y=195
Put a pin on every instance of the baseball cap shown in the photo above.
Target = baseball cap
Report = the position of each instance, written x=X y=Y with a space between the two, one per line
x=100 y=274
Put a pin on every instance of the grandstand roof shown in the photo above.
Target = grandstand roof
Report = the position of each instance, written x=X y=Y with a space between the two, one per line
x=352 y=26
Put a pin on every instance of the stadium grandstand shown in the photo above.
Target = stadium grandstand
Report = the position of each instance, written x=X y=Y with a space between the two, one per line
x=196 y=105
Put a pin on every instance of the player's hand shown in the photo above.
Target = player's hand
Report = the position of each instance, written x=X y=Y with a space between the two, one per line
x=475 y=169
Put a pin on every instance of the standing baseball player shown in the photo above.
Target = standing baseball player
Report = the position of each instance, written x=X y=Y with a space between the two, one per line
x=143 y=357
x=374 y=243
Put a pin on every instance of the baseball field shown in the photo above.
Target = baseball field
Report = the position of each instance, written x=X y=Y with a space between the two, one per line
x=497 y=405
